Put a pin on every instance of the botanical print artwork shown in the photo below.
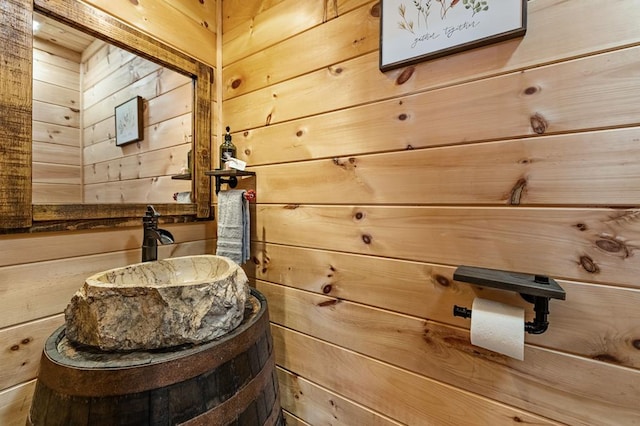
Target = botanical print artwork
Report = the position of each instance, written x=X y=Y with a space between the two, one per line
x=475 y=6
x=128 y=121
x=423 y=10
x=414 y=30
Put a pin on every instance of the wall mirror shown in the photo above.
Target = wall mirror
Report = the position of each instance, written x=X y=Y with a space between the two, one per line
x=85 y=64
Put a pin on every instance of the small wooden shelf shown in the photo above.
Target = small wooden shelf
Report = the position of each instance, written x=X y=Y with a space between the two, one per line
x=227 y=173
x=527 y=284
x=182 y=176
x=229 y=177
x=536 y=289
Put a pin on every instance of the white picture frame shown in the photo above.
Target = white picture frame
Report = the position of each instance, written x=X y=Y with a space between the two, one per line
x=413 y=31
x=128 y=118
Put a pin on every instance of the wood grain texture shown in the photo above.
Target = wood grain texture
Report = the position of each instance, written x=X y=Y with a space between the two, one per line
x=16 y=158
x=22 y=348
x=167 y=134
x=44 y=289
x=36 y=262
x=172 y=132
x=345 y=37
x=173 y=22
x=429 y=292
x=100 y=59
x=47 y=51
x=121 y=77
x=205 y=111
x=63 y=77
x=56 y=134
x=268 y=27
x=15 y=121
x=15 y=403
x=293 y=420
x=214 y=383
x=149 y=86
x=51 y=30
x=585 y=169
x=18 y=249
x=56 y=193
x=56 y=157
x=96 y=22
x=161 y=162
x=579 y=244
x=150 y=190
x=54 y=153
x=56 y=114
x=604 y=26
x=372 y=187
x=545 y=383
x=399 y=394
x=204 y=12
x=561 y=95
x=316 y=405
x=56 y=173
x=75 y=217
x=236 y=12
x=578 y=91
x=24 y=342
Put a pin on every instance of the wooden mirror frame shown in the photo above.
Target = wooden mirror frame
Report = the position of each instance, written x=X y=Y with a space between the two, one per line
x=16 y=73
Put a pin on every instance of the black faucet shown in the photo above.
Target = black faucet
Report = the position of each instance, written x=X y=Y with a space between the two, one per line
x=153 y=234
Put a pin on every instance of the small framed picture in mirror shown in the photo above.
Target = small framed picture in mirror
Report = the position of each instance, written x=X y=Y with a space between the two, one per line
x=129 y=126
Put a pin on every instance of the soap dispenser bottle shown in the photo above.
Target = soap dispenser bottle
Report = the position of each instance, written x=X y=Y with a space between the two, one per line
x=227 y=149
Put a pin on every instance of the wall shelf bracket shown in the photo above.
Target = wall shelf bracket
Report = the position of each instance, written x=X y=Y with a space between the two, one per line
x=536 y=289
x=229 y=177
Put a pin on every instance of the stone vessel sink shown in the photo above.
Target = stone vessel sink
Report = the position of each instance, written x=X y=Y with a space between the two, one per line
x=160 y=304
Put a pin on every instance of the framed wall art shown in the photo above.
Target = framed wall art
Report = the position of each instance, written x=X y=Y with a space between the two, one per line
x=129 y=126
x=413 y=31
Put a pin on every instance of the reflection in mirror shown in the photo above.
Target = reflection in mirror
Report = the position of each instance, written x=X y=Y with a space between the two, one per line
x=78 y=81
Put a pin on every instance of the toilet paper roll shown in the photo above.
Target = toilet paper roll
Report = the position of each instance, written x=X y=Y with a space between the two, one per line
x=498 y=327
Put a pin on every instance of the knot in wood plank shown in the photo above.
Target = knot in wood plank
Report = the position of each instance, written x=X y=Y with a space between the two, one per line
x=375 y=10
x=405 y=75
x=613 y=246
x=538 y=123
x=517 y=192
x=589 y=265
x=442 y=280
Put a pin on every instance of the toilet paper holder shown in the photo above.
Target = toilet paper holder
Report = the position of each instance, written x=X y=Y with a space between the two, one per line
x=536 y=289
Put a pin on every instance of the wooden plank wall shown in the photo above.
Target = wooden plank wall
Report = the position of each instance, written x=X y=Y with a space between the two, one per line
x=373 y=187
x=38 y=276
x=57 y=157
x=188 y=26
x=137 y=172
x=39 y=273
x=16 y=129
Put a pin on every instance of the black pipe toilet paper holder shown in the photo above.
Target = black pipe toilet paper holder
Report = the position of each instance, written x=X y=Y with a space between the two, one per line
x=536 y=289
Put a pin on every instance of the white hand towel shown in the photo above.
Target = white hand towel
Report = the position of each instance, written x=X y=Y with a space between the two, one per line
x=233 y=226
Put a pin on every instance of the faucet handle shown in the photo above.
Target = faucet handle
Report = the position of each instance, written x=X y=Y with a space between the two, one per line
x=150 y=218
x=151 y=212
